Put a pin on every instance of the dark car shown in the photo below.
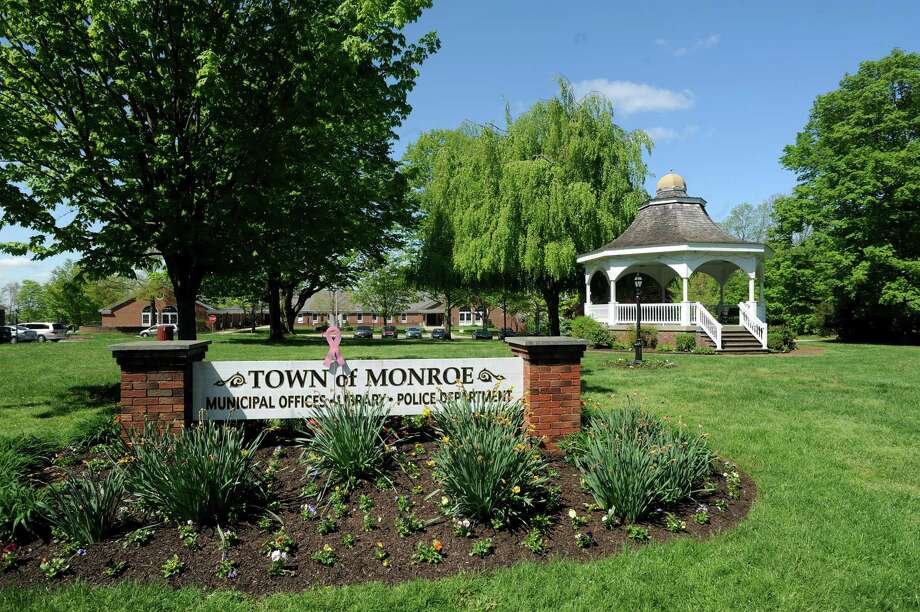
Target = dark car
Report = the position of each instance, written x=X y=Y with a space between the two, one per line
x=506 y=332
x=413 y=332
x=363 y=331
x=389 y=331
x=6 y=335
x=482 y=334
x=439 y=333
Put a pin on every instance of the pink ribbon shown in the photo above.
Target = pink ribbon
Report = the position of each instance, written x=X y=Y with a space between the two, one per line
x=333 y=337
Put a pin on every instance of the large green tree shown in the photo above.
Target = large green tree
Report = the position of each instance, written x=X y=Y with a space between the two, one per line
x=171 y=129
x=523 y=202
x=856 y=202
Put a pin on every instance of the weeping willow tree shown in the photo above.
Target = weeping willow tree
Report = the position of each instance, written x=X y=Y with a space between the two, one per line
x=523 y=202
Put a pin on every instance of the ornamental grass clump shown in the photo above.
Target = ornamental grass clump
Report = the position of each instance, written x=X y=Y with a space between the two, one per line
x=21 y=505
x=346 y=439
x=86 y=509
x=206 y=474
x=488 y=468
x=632 y=461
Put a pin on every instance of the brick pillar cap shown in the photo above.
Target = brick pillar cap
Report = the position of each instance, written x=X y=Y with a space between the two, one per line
x=166 y=345
x=526 y=342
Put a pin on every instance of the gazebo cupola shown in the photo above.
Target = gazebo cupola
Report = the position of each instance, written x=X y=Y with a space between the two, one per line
x=672 y=237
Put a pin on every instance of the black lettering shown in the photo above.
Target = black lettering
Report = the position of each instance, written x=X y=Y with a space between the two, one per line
x=401 y=379
x=255 y=378
x=278 y=376
x=376 y=380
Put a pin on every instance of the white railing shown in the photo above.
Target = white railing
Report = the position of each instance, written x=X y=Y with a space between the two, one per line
x=653 y=314
x=693 y=314
x=601 y=312
x=749 y=320
x=708 y=322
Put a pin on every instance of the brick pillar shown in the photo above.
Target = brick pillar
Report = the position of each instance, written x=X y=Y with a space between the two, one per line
x=552 y=385
x=156 y=382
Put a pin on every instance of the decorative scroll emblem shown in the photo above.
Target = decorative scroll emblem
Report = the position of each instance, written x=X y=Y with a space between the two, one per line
x=237 y=380
x=488 y=376
x=334 y=358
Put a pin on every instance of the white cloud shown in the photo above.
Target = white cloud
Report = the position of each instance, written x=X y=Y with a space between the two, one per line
x=700 y=43
x=629 y=97
x=663 y=134
x=15 y=263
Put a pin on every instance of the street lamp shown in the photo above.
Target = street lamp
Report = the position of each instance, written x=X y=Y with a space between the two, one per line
x=638 y=344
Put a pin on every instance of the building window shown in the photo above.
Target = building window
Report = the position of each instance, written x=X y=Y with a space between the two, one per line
x=375 y=318
x=145 y=318
x=471 y=317
x=360 y=317
x=300 y=318
x=170 y=315
x=403 y=318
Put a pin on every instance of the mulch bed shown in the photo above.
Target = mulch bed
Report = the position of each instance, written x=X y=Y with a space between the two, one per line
x=358 y=564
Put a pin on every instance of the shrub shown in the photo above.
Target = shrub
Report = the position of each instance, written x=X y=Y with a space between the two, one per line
x=347 y=439
x=206 y=474
x=591 y=330
x=21 y=505
x=85 y=509
x=665 y=348
x=704 y=350
x=487 y=466
x=649 y=337
x=686 y=342
x=780 y=339
x=631 y=461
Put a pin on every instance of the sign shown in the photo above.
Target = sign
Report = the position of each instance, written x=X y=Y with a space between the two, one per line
x=240 y=390
x=212 y=319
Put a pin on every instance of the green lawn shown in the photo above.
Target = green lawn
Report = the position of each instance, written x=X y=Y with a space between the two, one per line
x=832 y=440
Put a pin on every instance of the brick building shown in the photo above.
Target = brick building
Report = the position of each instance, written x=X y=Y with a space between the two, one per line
x=326 y=307
x=133 y=315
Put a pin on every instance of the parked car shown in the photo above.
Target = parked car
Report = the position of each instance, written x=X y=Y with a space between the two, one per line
x=438 y=333
x=363 y=331
x=413 y=332
x=152 y=330
x=18 y=333
x=48 y=331
x=389 y=331
x=6 y=334
x=482 y=334
x=506 y=332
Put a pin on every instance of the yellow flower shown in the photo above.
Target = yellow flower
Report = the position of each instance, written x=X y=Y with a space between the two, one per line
x=515 y=489
x=430 y=463
x=445 y=500
x=445 y=439
x=426 y=412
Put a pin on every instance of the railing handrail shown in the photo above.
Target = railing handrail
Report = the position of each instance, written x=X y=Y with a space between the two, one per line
x=748 y=318
x=709 y=324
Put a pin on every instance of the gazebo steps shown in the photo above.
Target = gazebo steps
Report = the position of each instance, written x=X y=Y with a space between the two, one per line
x=737 y=340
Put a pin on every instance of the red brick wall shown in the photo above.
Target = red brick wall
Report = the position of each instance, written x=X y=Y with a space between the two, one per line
x=152 y=395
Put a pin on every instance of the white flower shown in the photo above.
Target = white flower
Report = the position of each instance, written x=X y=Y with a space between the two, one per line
x=279 y=555
x=445 y=501
x=572 y=513
x=465 y=523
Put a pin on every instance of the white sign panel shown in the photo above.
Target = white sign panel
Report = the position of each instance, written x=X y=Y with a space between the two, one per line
x=239 y=390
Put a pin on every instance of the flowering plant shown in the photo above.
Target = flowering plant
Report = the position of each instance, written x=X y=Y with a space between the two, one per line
x=325 y=556
x=701 y=516
x=9 y=556
x=428 y=553
x=577 y=521
x=610 y=520
x=674 y=523
x=584 y=540
x=308 y=512
x=463 y=528
x=279 y=559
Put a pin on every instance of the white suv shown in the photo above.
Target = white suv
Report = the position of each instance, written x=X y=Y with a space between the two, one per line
x=48 y=331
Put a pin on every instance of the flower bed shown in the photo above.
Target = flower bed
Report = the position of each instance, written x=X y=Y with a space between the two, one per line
x=400 y=525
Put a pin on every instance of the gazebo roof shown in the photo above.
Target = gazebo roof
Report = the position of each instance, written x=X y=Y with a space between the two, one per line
x=671 y=218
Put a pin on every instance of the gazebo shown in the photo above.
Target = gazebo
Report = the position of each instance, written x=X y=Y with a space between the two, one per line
x=672 y=237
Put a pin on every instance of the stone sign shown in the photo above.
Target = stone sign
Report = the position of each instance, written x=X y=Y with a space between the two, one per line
x=239 y=390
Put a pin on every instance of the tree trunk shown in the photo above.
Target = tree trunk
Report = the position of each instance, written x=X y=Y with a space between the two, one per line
x=288 y=309
x=186 y=282
x=276 y=332
x=448 y=306
x=551 y=297
x=252 y=321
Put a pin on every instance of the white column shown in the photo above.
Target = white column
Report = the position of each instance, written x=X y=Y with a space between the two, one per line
x=612 y=316
x=762 y=303
x=587 y=295
x=685 y=304
x=751 y=279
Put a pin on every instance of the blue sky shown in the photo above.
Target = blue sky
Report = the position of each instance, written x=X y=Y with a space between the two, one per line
x=721 y=86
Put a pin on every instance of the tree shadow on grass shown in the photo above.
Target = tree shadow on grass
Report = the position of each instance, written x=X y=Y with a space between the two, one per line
x=83 y=397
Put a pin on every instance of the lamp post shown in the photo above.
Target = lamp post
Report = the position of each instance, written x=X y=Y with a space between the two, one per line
x=638 y=344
